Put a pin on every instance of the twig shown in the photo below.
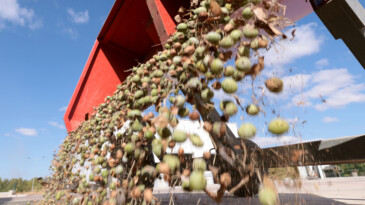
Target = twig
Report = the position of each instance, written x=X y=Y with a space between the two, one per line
x=244 y=154
x=224 y=155
x=277 y=154
x=171 y=199
x=258 y=175
x=218 y=196
x=239 y=185
x=215 y=147
x=130 y=171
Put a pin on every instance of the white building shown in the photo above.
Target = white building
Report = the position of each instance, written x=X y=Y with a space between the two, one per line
x=318 y=171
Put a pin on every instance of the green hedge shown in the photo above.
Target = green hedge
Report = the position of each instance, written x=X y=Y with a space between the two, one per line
x=22 y=185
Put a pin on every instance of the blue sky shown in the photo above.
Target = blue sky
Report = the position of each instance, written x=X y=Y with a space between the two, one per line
x=45 y=45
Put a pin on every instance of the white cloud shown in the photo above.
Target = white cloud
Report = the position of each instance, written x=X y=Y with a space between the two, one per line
x=56 y=124
x=306 y=42
x=333 y=88
x=329 y=119
x=322 y=63
x=354 y=93
x=27 y=131
x=10 y=11
x=71 y=32
x=78 y=17
x=292 y=85
x=276 y=141
x=62 y=109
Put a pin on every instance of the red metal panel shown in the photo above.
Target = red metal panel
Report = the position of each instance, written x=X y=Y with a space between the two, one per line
x=164 y=24
x=104 y=70
x=128 y=29
x=110 y=19
x=71 y=106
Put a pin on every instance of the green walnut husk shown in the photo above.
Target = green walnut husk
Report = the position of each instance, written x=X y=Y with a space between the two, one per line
x=183 y=112
x=199 y=10
x=185 y=185
x=228 y=71
x=244 y=51
x=194 y=83
x=164 y=132
x=219 y=128
x=136 y=79
x=119 y=169
x=278 y=126
x=213 y=37
x=243 y=64
x=249 y=31
x=129 y=147
x=267 y=196
x=148 y=170
x=207 y=94
x=148 y=135
x=255 y=44
x=138 y=94
x=229 y=107
x=226 y=42
x=157 y=147
x=229 y=85
x=179 y=136
x=182 y=27
x=199 y=164
x=104 y=173
x=172 y=162
x=247 y=13
x=252 y=109
x=199 y=52
x=179 y=101
x=157 y=74
x=75 y=201
x=137 y=126
x=247 y=130
x=154 y=92
x=59 y=194
x=196 y=140
x=201 y=67
x=197 y=181
x=217 y=66
x=236 y=35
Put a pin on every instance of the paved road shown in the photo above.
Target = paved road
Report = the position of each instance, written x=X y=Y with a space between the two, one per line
x=335 y=191
x=20 y=200
x=349 y=190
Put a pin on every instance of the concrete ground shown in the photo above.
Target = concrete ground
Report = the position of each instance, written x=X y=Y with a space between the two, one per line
x=333 y=191
x=348 y=190
x=20 y=199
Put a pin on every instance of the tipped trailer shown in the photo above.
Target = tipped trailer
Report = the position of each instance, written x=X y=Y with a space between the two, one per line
x=135 y=30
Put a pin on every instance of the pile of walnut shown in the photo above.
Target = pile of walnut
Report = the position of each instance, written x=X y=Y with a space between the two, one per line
x=109 y=160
